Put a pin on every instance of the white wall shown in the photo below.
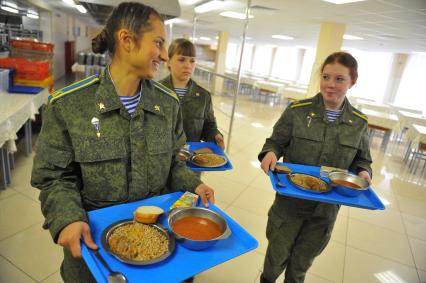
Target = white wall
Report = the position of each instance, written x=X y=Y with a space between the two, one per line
x=83 y=42
x=59 y=36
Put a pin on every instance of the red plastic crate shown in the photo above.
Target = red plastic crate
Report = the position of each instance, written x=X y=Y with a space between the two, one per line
x=27 y=70
x=32 y=45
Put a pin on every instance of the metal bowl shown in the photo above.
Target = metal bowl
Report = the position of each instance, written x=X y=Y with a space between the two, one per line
x=321 y=182
x=179 y=213
x=110 y=229
x=348 y=177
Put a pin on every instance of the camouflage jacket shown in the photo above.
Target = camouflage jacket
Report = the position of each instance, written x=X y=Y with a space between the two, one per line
x=303 y=135
x=79 y=166
x=199 y=122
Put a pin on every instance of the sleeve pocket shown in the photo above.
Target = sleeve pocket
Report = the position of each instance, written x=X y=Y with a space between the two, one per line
x=55 y=156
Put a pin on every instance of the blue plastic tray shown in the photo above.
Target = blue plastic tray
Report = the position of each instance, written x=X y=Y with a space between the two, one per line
x=182 y=264
x=367 y=199
x=216 y=149
x=24 y=89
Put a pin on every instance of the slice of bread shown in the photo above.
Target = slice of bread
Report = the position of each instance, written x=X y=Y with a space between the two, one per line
x=147 y=214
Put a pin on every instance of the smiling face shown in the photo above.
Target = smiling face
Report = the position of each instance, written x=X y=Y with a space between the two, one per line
x=335 y=82
x=181 y=67
x=150 y=50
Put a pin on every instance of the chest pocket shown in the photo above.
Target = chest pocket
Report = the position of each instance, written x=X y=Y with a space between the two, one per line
x=103 y=164
x=158 y=134
x=306 y=145
x=348 y=147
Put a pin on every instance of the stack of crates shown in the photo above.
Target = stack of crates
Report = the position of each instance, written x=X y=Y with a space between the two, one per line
x=33 y=61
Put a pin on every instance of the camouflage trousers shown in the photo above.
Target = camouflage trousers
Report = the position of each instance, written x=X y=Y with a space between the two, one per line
x=75 y=270
x=297 y=231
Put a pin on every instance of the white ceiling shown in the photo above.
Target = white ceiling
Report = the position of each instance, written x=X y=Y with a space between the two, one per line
x=385 y=25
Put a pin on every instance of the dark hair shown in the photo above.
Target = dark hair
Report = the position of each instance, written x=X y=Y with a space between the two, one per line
x=344 y=59
x=182 y=46
x=131 y=15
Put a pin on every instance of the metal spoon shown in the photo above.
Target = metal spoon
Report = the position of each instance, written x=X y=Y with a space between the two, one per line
x=278 y=182
x=113 y=276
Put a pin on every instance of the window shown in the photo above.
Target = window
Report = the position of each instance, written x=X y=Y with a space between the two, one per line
x=231 y=55
x=262 y=59
x=373 y=74
x=410 y=92
x=284 y=65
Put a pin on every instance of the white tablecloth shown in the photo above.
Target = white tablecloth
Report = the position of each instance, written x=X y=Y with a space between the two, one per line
x=382 y=119
x=408 y=118
x=15 y=110
x=417 y=134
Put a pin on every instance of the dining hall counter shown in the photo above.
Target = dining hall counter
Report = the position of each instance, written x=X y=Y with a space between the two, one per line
x=16 y=110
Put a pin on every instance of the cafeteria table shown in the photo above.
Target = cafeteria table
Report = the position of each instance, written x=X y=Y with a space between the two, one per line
x=382 y=121
x=16 y=110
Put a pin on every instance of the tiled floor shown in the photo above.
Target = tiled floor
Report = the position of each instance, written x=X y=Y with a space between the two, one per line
x=367 y=246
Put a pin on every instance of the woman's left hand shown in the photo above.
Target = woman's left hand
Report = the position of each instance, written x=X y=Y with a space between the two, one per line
x=219 y=141
x=365 y=175
x=206 y=194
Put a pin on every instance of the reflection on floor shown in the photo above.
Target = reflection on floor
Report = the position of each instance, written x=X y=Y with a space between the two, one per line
x=367 y=246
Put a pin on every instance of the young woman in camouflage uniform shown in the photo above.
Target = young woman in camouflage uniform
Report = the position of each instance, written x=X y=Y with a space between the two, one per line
x=94 y=152
x=199 y=122
x=324 y=130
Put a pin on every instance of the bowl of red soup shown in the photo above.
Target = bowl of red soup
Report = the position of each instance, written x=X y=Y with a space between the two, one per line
x=348 y=184
x=197 y=228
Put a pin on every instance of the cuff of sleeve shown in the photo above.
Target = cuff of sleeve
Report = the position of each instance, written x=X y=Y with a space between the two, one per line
x=56 y=226
x=193 y=184
x=264 y=152
x=360 y=168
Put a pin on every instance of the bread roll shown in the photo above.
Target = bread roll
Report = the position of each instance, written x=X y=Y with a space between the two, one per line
x=147 y=214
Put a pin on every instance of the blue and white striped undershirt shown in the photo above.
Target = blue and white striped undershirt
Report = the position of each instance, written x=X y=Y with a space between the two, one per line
x=332 y=115
x=131 y=102
x=180 y=92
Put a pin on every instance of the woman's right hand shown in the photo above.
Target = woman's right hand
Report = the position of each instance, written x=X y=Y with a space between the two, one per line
x=268 y=162
x=70 y=237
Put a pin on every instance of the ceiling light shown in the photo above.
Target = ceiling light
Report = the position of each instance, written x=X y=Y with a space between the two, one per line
x=208 y=6
x=32 y=16
x=69 y=2
x=9 y=4
x=235 y=15
x=342 y=1
x=174 y=21
x=193 y=39
x=418 y=53
x=352 y=37
x=9 y=9
x=189 y=2
x=284 y=37
x=205 y=38
x=33 y=12
x=81 y=9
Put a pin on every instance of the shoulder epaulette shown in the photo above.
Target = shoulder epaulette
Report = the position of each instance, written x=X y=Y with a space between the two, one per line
x=360 y=114
x=165 y=90
x=303 y=102
x=73 y=88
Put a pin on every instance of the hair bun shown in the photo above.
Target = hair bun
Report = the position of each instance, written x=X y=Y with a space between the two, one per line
x=100 y=42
